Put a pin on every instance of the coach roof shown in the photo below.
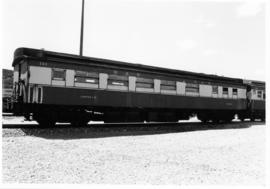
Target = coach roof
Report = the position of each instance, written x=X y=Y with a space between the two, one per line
x=43 y=55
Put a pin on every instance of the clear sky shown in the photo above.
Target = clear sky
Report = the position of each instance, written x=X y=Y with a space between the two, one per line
x=214 y=37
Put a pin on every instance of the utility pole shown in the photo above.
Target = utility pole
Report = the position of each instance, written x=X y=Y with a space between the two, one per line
x=82 y=22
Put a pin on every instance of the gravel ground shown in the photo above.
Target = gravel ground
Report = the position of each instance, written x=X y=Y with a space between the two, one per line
x=226 y=154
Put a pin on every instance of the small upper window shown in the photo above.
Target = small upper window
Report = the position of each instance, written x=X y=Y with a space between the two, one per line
x=234 y=91
x=225 y=91
x=58 y=74
x=215 y=89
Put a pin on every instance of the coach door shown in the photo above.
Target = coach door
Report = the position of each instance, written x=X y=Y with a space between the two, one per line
x=20 y=81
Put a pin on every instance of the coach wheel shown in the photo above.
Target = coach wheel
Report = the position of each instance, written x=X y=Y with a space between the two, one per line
x=45 y=119
x=204 y=118
x=241 y=117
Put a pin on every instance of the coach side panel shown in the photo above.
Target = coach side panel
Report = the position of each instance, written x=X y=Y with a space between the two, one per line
x=105 y=98
x=51 y=85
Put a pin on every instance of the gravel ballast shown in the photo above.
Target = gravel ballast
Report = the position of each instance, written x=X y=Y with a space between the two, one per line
x=122 y=156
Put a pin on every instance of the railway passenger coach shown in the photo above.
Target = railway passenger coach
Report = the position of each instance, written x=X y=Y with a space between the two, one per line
x=57 y=87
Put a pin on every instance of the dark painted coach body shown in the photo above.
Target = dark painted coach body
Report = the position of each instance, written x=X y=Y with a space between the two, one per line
x=58 y=87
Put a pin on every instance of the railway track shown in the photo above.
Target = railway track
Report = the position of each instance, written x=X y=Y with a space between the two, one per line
x=183 y=125
x=7 y=114
x=99 y=125
x=67 y=131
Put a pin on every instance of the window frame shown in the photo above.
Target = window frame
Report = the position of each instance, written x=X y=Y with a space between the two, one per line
x=195 y=88
x=223 y=91
x=216 y=89
x=235 y=93
x=58 y=78
x=118 y=80
x=167 y=85
x=147 y=83
x=83 y=76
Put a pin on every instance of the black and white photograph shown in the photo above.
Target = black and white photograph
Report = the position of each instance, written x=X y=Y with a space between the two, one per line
x=141 y=93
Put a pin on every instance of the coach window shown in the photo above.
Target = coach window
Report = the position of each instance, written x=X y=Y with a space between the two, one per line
x=144 y=83
x=192 y=87
x=58 y=74
x=259 y=94
x=118 y=80
x=86 y=77
x=234 y=91
x=215 y=89
x=264 y=96
x=168 y=85
x=225 y=91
